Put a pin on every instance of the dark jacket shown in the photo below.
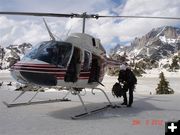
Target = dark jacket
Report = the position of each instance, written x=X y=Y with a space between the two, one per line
x=127 y=77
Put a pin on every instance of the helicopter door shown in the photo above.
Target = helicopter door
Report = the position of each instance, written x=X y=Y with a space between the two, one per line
x=73 y=69
x=95 y=69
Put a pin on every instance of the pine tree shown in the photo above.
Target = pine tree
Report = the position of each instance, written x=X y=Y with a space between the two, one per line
x=175 y=64
x=163 y=86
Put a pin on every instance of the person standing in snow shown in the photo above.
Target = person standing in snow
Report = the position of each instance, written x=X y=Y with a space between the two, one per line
x=128 y=79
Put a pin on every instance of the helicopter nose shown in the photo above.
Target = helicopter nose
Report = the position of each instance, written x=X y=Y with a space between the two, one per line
x=33 y=73
x=40 y=78
x=18 y=77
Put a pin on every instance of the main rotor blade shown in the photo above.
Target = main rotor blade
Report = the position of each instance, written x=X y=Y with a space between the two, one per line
x=146 y=17
x=37 y=14
x=84 y=15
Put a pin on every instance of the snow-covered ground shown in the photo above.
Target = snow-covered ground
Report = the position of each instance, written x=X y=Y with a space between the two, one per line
x=156 y=71
x=146 y=117
x=5 y=75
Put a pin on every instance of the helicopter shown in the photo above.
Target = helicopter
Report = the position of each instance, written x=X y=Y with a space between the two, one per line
x=76 y=63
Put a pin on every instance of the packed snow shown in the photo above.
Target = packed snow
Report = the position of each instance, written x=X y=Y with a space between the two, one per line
x=161 y=30
x=147 y=116
x=155 y=73
x=135 y=52
x=167 y=40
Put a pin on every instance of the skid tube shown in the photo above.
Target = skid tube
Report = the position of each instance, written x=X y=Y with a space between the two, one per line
x=30 y=102
x=87 y=112
x=35 y=102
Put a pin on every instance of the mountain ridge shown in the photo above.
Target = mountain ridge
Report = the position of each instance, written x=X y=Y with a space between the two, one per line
x=12 y=53
x=157 y=44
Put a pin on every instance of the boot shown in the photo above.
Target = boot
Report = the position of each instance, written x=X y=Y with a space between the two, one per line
x=129 y=105
x=124 y=103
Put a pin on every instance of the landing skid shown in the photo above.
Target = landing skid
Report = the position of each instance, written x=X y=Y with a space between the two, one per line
x=27 y=88
x=35 y=102
x=74 y=91
x=87 y=112
x=90 y=112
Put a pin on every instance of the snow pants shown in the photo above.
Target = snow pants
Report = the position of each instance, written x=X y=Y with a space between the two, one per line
x=130 y=89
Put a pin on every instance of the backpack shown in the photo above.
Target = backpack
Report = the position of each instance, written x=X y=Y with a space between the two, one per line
x=117 y=90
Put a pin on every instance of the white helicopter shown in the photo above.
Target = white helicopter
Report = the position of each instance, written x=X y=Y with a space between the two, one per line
x=76 y=63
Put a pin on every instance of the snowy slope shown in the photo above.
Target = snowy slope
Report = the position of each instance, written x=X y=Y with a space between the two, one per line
x=55 y=119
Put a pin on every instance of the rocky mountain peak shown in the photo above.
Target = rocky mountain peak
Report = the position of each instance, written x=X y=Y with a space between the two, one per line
x=158 y=43
x=12 y=53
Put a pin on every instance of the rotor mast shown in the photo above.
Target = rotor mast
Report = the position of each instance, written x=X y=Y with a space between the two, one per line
x=84 y=22
x=84 y=16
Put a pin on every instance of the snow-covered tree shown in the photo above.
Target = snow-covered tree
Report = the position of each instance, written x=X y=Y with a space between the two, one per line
x=163 y=86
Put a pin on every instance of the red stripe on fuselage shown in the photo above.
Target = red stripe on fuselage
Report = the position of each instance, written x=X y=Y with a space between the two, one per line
x=34 y=65
x=38 y=68
x=43 y=68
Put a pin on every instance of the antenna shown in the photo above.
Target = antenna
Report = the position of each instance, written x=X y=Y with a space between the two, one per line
x=50 y=33
x=68 y=31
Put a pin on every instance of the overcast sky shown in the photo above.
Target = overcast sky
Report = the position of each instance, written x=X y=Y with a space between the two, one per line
x=19 y=29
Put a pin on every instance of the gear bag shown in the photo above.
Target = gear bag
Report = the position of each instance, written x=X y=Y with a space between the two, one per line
x=117 y=90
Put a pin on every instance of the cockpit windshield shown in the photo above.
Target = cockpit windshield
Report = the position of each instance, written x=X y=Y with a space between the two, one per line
x=53 y=52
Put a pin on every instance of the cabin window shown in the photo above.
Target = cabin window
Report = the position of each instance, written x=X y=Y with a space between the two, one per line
x=95 y=69
x=94 y=42
x=87 y=60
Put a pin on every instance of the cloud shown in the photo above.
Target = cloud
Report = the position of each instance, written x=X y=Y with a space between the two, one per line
x=31 y=29
x=68 y=6
x=16 y=29
x=128 y=29
x=149 y=7
x=15 y=32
